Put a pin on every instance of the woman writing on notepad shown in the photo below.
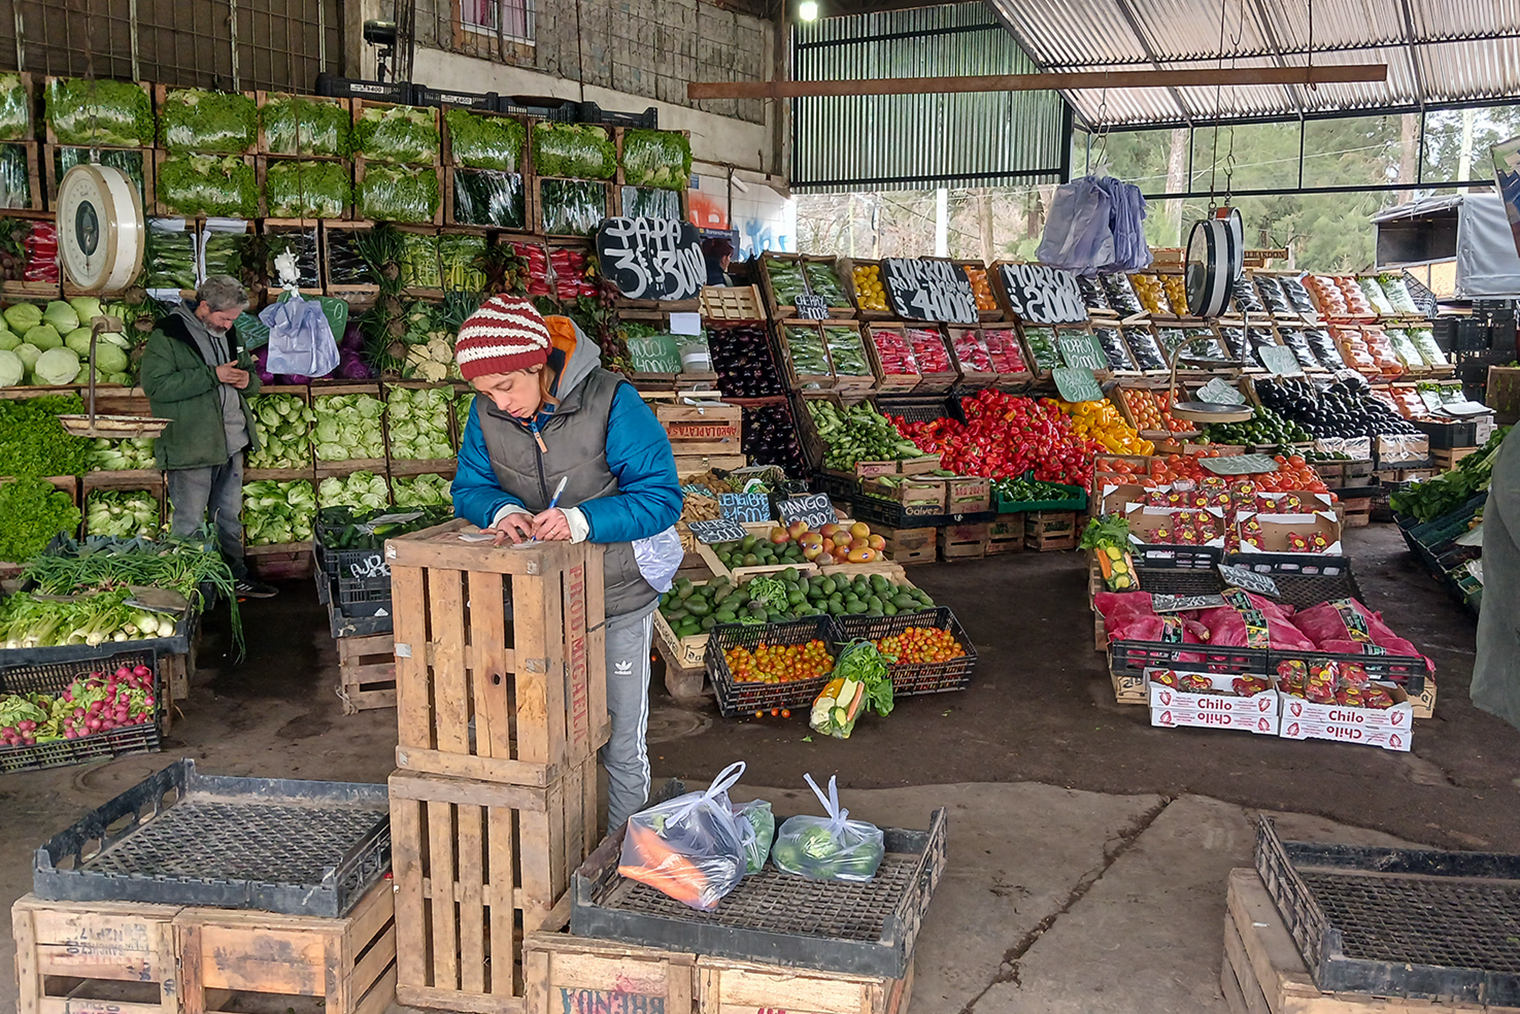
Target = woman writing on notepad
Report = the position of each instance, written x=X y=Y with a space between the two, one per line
x=546 y=414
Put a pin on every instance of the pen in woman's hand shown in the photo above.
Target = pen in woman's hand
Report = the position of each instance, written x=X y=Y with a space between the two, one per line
x=554 y=500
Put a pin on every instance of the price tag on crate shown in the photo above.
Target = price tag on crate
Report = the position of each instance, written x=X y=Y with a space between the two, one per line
x=1239 y=464
x=811 y=307
x=1220 y=392
x=722 y=530
x=1280 y=361
x=1078 y=351
x=815 y=510
x=1248 y=580
x=652 y=258
x=931 y=290
x=1043 y=295
x=745 y=507
x=1077 y=383
x=1182 y=603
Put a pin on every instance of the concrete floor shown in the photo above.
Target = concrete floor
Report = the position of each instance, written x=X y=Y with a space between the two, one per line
x=1088 y=851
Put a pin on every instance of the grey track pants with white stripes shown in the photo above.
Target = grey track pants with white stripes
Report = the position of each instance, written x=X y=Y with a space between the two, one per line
x=625 y=756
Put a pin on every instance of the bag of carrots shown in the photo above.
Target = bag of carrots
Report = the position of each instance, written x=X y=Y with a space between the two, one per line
x=691 y=848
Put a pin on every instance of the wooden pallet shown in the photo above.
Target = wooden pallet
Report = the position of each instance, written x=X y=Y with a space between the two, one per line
x=479 y=694
x=506 y=853
x=1355 y=513
x=584 y=976
x=1049 y=531
x=684 y=683
x=95 y=957
x=964 y=542
x=350 y=962
x=729 y=987
x=367 y=672
x=1129 y=688
x=1263 y=972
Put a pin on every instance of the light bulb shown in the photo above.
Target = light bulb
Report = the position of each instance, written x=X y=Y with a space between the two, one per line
x=808 y=10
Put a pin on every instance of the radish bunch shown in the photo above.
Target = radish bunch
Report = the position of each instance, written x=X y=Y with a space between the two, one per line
x=102 y=702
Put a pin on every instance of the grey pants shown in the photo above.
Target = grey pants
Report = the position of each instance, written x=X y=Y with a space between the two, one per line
x=216 y=491
x=625 y=756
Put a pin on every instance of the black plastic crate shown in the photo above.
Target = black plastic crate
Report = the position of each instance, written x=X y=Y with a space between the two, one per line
x=1399 y=922
x=86 y=654
x=182 y=838
x=1303 y=579
x=1179 y=580
x=1406 y=670
x=359 y=621
x=841 y=488
x=914 y=679
x=518 y=105
x=590 y=112
x=422 y=95
x=54 y=678
x=736 y=699
x=883 y=513
x=1132 y=658
x=774 y=917
x=1446 y=435
x=922 y=409
x=354 y=88
x=1168 y=557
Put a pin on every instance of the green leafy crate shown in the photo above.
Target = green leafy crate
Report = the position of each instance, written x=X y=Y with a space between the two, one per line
x=579 y=151
x=394 y=193
x=305 y=188
x=391 y=133
x=650 y=202
x=312 y=126
x=137 y=163
x=571 y=207
x=116 y=114
x=208 y=122
x=477 y=140
x=16 y=107
x=1075 y=502
x=657 y=158
x=217 y=185
x=485 y=197
x=18 y=175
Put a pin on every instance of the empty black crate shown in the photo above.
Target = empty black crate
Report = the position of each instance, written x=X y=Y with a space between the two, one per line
x=54 y=678
x=518 y=105
x=422 y=95
x=737 y=698
x=1446 y=435
x=1302 y=579
x=353 y=88
x=914 y=678
x=590 y=112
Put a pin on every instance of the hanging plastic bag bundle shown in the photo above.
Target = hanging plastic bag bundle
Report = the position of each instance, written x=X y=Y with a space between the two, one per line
x=762 y=822
x=691 y=848
x=829 y=848
x=301 y=339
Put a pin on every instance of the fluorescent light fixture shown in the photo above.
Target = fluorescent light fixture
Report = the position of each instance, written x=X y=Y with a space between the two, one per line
x=808 y=10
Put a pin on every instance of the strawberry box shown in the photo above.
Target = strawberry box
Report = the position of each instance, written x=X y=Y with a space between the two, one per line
x=1226 y=708
x=1388 y=728
x=1316 y=533
x=1174 y=526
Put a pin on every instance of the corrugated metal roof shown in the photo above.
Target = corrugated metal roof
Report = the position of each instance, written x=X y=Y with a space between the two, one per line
x=1437 y=51
x=886 y=142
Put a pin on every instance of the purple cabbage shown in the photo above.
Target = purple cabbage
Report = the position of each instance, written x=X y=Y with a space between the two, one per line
x=353 y=339
x=261 y=359
x=352 y=367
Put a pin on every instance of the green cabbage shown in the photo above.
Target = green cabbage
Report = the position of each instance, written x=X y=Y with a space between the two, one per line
x=8 y=341
x=11 y=369
x=348 y=427
x=78 y=340
x=86 y=308
x=22 y=317
x=361 y=490
x=110 y=359
x=57 y=366
x=44 y=336
x=28 y=355
x=61 y=315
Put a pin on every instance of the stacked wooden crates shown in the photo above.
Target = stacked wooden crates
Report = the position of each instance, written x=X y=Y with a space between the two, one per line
x=501 y=704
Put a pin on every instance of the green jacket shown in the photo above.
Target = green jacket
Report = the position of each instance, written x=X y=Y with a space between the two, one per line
x=182 y=388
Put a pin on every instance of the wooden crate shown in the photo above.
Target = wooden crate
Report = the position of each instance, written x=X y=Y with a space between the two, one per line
x=964 y=542
x=160 y=99
x=584 y=976
x=367 y=672
x=95 y=957
x=1263 y=970
x=1447 y=459
x=683 y=682
x=1005 y=535
x=910 y=545
x=360 y=104
x=535 y=190
x=154 y=206
x=33 y=199
x=280 y=561
x=732 y=987
x=1356 y=513
x=1047 y=531
x=888 y=383
x=1129 y=687
x=447 y=147
x=696 y=464
x=506 y=853
x=707 y=428
x=47 y=166
x=359 y=170
x=482 y=693
x=262 y=98
x=52 y=138
x=350 y=962
x=729 y=304
x=261 y=170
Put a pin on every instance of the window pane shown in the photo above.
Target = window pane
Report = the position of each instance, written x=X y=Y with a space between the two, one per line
x=1451 y=133
x=1265 y=156
x=1153 y=160
x=1359 y=151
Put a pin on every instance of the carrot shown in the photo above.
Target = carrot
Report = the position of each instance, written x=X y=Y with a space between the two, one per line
x=666 y=870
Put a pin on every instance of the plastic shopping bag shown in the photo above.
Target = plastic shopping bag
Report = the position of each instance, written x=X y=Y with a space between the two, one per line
x=690 y=848
x=828 y=848
x=300 y=338
x=762 y=822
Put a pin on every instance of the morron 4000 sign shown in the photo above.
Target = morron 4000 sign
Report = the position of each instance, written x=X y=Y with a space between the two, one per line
x=652 y=258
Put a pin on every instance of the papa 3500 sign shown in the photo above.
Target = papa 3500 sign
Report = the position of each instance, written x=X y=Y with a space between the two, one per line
x=652 y=258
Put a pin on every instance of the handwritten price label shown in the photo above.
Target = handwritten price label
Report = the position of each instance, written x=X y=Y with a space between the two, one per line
x=929 y=290
x=652 y=258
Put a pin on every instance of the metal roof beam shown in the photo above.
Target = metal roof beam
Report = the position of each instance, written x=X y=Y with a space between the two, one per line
x=1414 y=63
x=1127 y=10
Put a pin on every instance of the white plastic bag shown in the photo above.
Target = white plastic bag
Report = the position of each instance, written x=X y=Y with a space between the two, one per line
x=300 y=338
x=691 y=848
x=829 y=848
x=659 y=557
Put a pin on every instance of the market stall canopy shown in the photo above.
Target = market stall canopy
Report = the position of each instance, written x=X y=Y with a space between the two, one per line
x=1436 y=52
x=1484 y=247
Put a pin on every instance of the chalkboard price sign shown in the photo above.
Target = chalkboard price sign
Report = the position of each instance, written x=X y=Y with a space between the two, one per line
x=812 y=307
x=652 y=258
x=745 y=507
x=929 y=290
x=1077 y=384
x=814 y=509
x=1078 y=350
x=1183 y=603
x=1280 y=361
x=1248 y=580
x=1043 y=295
x=722 y=530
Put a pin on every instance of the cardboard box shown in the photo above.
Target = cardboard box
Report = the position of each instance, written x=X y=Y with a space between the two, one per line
x=1275 y=529
x=1145 y=521
x=1114 y=498
x=1388 y=728
x=1171 y=707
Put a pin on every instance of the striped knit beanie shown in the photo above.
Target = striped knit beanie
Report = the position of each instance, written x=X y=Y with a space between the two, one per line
x=505 y=335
